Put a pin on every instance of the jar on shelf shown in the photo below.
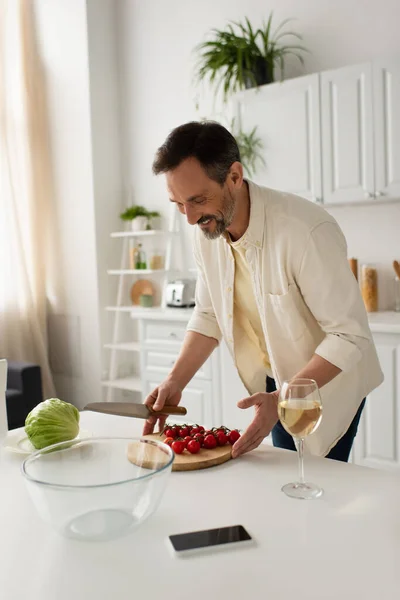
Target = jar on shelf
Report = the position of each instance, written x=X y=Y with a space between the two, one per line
x=369 y=287
x=397 y=294
x=156 y=261
x=140 y=258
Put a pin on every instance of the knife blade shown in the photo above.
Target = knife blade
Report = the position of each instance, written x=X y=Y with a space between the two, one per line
x=130 y=409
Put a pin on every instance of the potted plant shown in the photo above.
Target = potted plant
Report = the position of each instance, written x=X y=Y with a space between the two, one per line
x=139 y=217
x=250 y=147
x=241 y=57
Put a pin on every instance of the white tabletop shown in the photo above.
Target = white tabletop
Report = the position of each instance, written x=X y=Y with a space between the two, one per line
x=345 y=545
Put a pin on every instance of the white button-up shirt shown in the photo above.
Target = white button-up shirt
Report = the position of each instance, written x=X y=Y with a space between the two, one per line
x=308 y=298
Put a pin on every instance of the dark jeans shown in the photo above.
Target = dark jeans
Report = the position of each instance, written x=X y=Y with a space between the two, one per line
x=341 y=451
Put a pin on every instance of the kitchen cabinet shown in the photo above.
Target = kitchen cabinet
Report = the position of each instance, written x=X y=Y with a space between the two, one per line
x=232 y=390
x=287 y=119
x=347 y=134
x=331 y=137
x=386 y=82
x=160 y=343
x=378 y=439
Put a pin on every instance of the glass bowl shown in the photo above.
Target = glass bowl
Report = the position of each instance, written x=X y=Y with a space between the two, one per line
x=98 y=488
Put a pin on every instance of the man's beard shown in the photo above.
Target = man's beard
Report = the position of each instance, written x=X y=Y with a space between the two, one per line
x=221 y=222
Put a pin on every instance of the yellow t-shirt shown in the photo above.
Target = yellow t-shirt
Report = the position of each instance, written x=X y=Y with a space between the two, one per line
x=251 y=354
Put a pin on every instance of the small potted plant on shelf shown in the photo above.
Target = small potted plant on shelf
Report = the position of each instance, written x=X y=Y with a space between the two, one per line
x=139 y=216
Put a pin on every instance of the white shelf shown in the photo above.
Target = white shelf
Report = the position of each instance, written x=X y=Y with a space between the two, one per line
x=136 y=271
x=162 y=314
x=126 y=346
x=120 y=308
x=150 y=233
x=134 y=384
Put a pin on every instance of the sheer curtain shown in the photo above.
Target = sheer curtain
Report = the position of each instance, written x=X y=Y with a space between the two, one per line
x=25 y=192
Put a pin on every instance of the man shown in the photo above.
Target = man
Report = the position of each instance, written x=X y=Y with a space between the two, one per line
x=275 y=283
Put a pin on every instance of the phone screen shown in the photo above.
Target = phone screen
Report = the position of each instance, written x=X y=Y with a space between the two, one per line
x=209 y=537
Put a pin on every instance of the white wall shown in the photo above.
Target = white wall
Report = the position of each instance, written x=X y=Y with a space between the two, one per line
x=106 y=153
x=77 y=42
x=156 y=59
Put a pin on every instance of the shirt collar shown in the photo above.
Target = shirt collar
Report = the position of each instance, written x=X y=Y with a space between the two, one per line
x=254 y=234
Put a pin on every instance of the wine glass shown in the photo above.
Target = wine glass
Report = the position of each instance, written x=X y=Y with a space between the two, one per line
x=300 y=412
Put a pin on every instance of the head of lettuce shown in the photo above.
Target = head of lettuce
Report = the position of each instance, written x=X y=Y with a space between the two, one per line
x=51 y=422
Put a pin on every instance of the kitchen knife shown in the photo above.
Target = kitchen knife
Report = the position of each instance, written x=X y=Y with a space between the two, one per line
x=130 y=409
x=396 y=267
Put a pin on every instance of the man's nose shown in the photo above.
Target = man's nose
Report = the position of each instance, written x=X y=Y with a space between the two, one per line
x=191 y=215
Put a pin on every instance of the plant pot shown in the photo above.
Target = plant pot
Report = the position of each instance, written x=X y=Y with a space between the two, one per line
x=263 y=73
x=139 y=223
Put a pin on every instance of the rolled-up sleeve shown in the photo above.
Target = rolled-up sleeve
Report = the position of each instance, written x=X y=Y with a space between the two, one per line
x=203 y=319
x=332 y=294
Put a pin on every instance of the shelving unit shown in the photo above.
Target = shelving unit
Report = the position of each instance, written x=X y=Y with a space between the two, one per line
x=122 y=310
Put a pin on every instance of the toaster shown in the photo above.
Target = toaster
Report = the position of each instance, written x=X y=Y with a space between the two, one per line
x=180 y=293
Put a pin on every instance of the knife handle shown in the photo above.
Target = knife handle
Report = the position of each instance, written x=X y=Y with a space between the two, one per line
x=171 y=410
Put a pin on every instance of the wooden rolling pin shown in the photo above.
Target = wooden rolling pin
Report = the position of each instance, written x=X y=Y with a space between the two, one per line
x=396 y=267
x=353 y=262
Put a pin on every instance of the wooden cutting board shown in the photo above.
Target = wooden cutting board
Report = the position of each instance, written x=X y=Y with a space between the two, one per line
x=186 y=461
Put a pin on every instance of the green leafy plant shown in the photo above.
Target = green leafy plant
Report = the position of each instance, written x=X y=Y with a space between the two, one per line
x=250 y=146
x=242 y=57
x=138 y=211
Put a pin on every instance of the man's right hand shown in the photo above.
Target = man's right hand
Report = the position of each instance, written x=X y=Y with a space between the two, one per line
x=168 y=392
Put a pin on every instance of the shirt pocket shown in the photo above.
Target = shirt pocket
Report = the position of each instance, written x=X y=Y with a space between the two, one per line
x=287 y=314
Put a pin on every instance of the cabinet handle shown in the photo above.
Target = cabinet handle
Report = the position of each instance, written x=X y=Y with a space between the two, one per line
x=369 y=194
x=378 y=194
x=172 y=363
x=173 y=335
x=318 y=200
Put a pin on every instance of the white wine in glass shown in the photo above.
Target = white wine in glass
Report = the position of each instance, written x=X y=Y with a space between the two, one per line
x=300 y=412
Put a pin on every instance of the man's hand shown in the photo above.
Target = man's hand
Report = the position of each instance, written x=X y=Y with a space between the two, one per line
x=266 y=416
x=168 y=392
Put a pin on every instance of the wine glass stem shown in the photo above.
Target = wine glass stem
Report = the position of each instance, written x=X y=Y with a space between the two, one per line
x=300 y=451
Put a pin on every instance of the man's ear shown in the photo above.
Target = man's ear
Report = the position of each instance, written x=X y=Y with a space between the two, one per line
x=235 y=174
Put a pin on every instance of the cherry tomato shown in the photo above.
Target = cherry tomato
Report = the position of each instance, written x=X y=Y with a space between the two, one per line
x=201 y=429
x=193 y=446
x=222 y=438
x=209 y=441
x=195 y=429
x=176 y=430
x=184 y=431
x=208 y=432
x=234 y=435
x=168 y=440
x=178 y=446
x=187 y=439
x=169 y=432
x=200 y=438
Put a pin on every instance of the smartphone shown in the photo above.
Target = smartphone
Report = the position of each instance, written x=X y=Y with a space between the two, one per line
x=209 y=539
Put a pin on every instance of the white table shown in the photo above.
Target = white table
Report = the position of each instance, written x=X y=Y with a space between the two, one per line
x=343 y=546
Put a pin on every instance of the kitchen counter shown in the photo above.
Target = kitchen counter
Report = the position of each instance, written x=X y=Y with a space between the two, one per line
x=382 y=322
x=344 y=546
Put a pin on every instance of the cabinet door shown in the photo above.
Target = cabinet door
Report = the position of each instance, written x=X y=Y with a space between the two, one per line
x=377 y=440
x=386 y=78
x=347 y=134
x=288 y=122
x=197 y=397
x=232 y=390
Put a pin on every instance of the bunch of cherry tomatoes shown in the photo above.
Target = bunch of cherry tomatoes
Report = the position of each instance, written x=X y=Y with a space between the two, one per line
x=194 y=437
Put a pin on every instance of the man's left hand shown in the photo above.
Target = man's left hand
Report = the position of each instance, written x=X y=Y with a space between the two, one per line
x=266 y=416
